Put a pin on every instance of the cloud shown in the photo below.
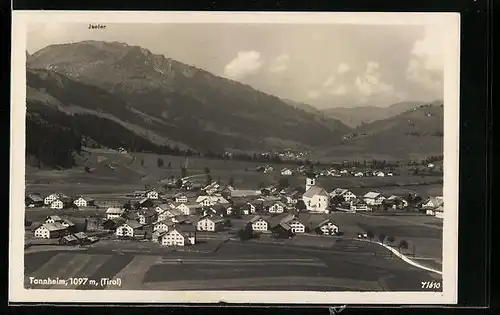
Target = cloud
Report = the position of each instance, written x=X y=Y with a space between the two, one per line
x=341 y=90
x=280 y=64
x=245 y=63
x=370 y=83
x=425 y=66
x=329 y=82
x=343 y=68
x=313 y=95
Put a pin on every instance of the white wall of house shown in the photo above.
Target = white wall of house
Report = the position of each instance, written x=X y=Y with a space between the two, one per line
x=49 y=199
x=205 y=225
x=297 y=227
x=152 y=194
x=173 y=238
x=326 y=228
x=276 y=208
x=260 y=225
x=110 y=216
x=57 y=204
x=124 y=230
x=80 y=202
x=42 y=232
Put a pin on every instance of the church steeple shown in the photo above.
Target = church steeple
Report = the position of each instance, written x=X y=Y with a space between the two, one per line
x=310 y=182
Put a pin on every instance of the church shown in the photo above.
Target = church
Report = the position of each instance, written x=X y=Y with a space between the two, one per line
x=315 y=197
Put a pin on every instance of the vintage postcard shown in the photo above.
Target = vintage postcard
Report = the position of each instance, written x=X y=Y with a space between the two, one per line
x=205 y=157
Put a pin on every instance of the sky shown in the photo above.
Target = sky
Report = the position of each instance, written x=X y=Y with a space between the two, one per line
x=324 y=65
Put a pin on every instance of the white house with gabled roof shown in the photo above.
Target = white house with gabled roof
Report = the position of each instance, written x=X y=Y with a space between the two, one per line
x=373 y=198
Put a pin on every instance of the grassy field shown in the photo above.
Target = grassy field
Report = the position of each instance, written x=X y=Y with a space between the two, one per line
x=237 y=266
x=424 y=234
x=139 y=169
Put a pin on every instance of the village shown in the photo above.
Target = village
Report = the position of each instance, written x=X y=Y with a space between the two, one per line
x=177 y=216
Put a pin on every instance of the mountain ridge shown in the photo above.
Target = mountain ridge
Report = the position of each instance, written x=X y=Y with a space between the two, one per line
x=228 y=114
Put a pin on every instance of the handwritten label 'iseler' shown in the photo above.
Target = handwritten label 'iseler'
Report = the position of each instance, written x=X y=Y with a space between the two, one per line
x=96 y=27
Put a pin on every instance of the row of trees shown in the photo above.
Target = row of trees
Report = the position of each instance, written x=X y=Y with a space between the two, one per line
x=382 y=238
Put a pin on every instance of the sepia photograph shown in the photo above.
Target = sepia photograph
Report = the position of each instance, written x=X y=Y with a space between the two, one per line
x=245 y=158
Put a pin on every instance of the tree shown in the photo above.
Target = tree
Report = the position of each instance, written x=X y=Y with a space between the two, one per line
x=381 y=238
x=337 y=200
x=391 y=239
x=246 y=233
x=370 y=235
x=178 y=184
x=127 y=205
x=159 y=162
x=87 y=169
x=403 y=245
x=208 y=180
x=183 y=172
x=231 y=181
x=283 y=183
x=300 y=205
x=169 y=165
x=142 y=162
x=206 y=170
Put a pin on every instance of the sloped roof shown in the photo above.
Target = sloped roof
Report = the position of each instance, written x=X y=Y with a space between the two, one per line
x=54 y=226
x=115 y=211
x=70 y=238
x=358 y=202
x=35 y=198
x=372 y=194
x=315 y=190
x=86 y=198
x=68 y=222
x=54 y=217
x=133 y=224
x=256 y=218
x=81 y=235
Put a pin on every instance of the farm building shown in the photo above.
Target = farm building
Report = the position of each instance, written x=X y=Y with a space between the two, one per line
x=179 y=236
x=84 y=202
x=395 y=202
x=33 y=200
x=60 y=203
x=277 y=207
x=50 y=198
x=327 y=227
x=247 y=208
x=152 y=194
x=164 y=225
x=112 y=213
x=282 y=230
x=50 y=230
x=146 y=216
x=145 y=203
x=286 y=172
x=346 y=194
x=169 y=214
x=433 y=202
x=53 y=219
x=373 y=198
x=259 y=224
x=210 y=224
x=157 y=234
x=130 y=228
x=180 y=198
x=187 y=209
x=359 y=205
x=112 y=224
